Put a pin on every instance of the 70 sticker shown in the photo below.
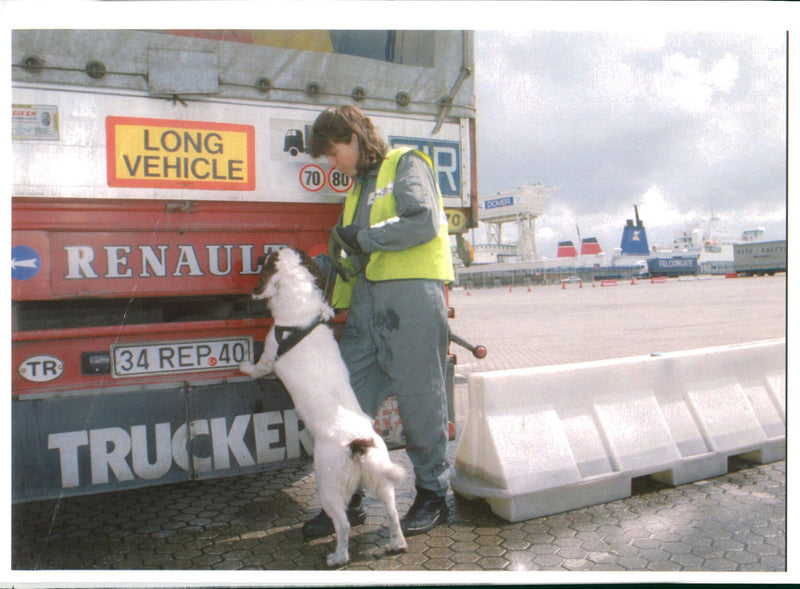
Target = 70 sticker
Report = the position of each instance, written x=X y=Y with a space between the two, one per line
x=313 y=179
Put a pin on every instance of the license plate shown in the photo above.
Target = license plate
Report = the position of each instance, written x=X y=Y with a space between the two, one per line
x=178 y=357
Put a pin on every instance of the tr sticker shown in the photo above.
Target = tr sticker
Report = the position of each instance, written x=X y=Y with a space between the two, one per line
x=42 y=368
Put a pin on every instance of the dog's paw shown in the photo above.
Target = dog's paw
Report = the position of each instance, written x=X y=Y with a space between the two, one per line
x=394 y=548
x=247 y=367
x=396 y=545
x=336 y=560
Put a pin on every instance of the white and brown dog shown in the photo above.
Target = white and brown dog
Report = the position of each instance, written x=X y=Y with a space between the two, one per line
x=302 y=352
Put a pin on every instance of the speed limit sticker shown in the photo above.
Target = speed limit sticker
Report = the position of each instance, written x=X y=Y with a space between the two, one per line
x=338 y=181
x=312 y=177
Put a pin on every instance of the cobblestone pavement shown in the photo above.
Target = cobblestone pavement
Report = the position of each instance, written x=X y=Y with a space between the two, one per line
x=734 y=522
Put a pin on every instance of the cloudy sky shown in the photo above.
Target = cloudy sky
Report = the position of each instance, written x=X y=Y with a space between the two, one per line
x=682 y=124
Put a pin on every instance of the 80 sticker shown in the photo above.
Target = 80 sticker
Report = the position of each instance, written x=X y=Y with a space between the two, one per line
x=313 y=179
x=338 y=181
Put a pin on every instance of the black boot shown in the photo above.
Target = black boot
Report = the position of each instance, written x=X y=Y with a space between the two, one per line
x=322 y=525
x=428 y=511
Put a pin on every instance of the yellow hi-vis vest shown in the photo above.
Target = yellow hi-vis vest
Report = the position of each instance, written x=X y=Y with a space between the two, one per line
x=429 y=260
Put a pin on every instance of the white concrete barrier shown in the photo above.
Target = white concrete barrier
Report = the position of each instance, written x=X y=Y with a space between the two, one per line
x=544 y=440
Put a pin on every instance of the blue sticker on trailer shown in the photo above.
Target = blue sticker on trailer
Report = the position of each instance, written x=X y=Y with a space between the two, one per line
x=25 y=262
x=446 y=157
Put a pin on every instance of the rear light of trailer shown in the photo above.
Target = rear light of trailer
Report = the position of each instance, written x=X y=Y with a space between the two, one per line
x=96 y=363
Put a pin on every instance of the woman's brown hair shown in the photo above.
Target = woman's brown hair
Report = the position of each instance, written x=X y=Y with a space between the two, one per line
x=337 y=125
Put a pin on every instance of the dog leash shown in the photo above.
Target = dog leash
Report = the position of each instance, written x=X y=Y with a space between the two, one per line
x=289 y=337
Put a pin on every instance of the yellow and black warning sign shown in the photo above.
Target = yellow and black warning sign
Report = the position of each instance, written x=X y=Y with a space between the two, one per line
x=159 y=153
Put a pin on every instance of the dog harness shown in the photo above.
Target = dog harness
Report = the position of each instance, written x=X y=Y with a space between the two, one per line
x=289 y=337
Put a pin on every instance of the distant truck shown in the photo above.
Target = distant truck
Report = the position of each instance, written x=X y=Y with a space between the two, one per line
x=640 y=269
x=759 y=259
x=673 y=266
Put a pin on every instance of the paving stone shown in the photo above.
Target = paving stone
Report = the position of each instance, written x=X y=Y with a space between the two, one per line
x=596 y=545
x=544 y=548
x=438 y=565
x=460 y=557
x=619 y=539
x=488 y=540
x=773 y=563
x=492 y=563
x=548 y=560
x=719 y=564
x=520 y=544
x=742 y=557
x=676 y=547
x=663 y=566
x=687 y=560
x=465 y=546
x=439 y=541
x=577 y=564
x=407 y=559
x=467 y=567
x=491 y=550
x=569 y=541
x=571 y=553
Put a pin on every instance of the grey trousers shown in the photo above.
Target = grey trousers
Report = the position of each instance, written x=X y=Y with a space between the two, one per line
x=395 y=343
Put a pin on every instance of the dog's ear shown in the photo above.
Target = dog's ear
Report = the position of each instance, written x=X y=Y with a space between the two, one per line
x=269 y=267
x=310 y=265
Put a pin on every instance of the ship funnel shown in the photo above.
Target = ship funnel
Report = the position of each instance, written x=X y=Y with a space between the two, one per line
x=634 y=237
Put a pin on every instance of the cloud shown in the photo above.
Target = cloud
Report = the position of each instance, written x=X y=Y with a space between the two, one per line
x=679 y=123
x=659 y=209
x=683 y=84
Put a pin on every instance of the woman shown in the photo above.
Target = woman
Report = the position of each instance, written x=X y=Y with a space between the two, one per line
x=398 y=260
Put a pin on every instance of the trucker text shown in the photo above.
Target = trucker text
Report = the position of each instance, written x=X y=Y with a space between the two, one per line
x=204 y=445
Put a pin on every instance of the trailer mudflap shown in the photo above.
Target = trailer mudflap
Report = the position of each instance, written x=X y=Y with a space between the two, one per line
x=98 y=441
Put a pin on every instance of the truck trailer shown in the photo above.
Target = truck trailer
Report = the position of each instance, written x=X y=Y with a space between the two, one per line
x=673 y=266
x=759 y=258
x=151 y=170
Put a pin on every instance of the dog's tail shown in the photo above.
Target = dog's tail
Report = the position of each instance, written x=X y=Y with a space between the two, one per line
x=359 y=447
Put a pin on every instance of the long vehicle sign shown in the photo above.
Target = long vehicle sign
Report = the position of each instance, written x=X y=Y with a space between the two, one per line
x=154 y=153
x=176 y=357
